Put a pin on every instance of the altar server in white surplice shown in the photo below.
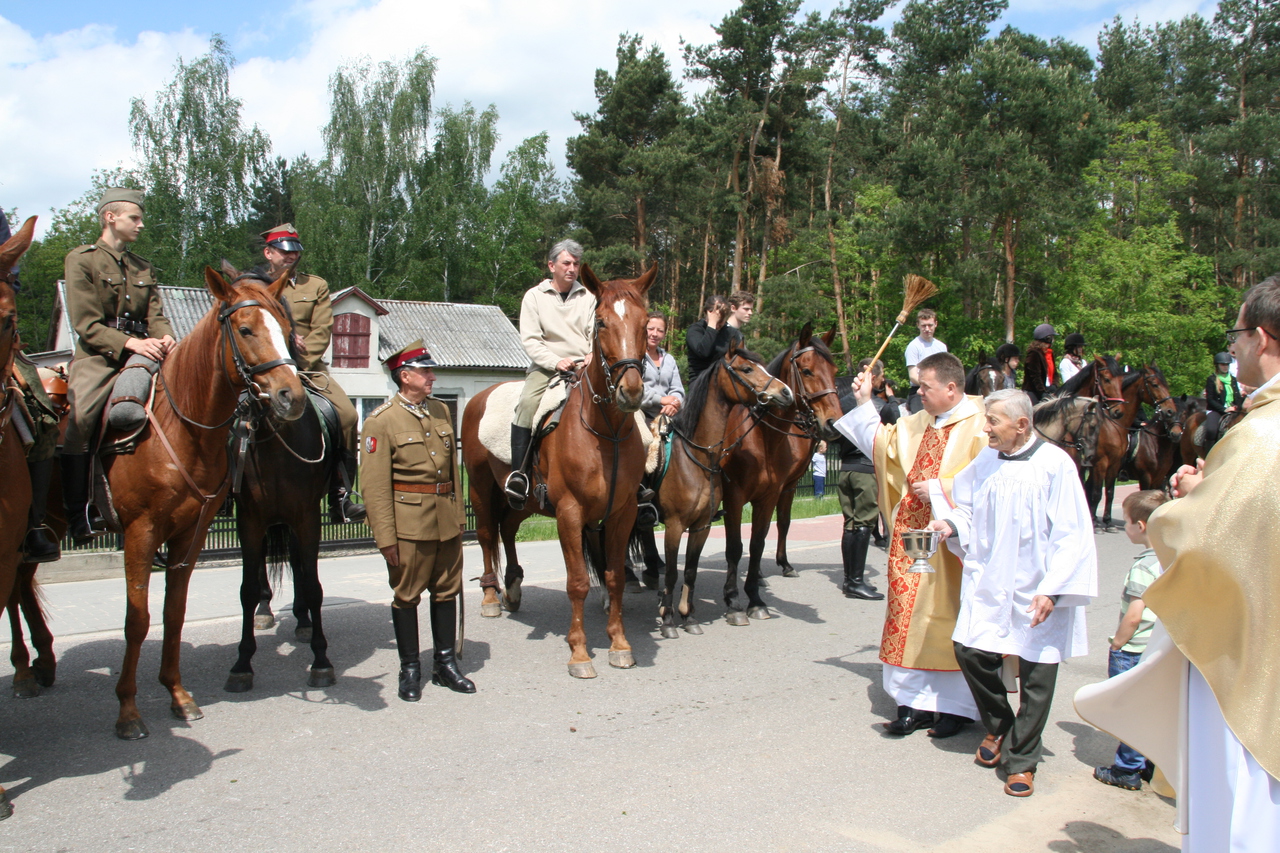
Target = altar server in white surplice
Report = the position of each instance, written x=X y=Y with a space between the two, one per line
x=1022 y=526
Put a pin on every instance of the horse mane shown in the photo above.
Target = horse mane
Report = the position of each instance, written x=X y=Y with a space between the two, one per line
x=1052 y=408
x=1130 y=378
x=695 y=398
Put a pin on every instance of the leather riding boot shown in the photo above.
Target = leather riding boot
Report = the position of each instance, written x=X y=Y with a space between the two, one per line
x=405 y=622
x=75 y=497
x=859 y=541
x=39 y=546
x=342 y=508
x=646 y=508
x=517 y=485
x=444 y=632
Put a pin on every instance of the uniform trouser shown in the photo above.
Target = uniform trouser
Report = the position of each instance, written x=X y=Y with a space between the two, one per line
x=88 y=386
x=328 y=388
x=426 y=565
x=1022 y=732
x=857 y=493
x=535 y=385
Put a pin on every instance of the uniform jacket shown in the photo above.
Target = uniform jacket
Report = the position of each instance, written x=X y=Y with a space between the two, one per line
x=308 y=298
x=552 y=328
x=398 y=446
x=103 y=286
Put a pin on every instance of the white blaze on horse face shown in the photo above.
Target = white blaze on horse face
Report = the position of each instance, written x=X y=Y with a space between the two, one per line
x=620 y=308
x=277 y=337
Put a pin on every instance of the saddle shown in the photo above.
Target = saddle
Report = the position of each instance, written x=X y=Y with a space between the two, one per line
x=241 y=435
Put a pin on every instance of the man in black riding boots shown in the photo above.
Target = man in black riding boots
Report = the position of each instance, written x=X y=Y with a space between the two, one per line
x=116 y=313
x=409 y=468
x=308 y=298
x=856 y=488
x=1221 y=397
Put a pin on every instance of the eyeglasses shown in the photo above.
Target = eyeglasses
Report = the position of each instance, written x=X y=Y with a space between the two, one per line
x=1232 y=334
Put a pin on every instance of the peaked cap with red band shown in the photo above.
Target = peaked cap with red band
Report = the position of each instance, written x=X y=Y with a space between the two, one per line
x=283 y=237
x=411 y=355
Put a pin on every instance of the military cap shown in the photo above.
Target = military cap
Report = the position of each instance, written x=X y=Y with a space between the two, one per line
x=1044 y=331
x=1075 y=339
x=1222 y=358
x=114 y=194
x=283 y=237
x=411 y=355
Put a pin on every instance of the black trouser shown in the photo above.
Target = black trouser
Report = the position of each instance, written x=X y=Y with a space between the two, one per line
x=1022 y=732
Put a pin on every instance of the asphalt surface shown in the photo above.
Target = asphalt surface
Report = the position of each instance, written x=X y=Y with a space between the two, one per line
x=765 y=737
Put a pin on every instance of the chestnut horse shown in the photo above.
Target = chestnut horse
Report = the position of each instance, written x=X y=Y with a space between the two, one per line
x=591 y=465
x=1157 y=443
x=692 y=484
x=773 y=455
x=15 y=497
x=1141 y=386
x=167 y=491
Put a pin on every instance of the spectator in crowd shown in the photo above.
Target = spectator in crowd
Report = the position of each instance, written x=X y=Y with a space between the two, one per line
x=820 y=469
x=920 y=348
x=1073 y=362
x=708 y=339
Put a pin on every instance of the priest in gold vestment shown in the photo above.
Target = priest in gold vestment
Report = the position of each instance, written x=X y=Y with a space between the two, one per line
x=1207 y=694
x=915 y=462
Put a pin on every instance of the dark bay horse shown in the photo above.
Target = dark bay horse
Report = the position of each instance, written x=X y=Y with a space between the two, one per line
x=1146 y=385
x=285 y=478
x=765 y=467
x=591 y=465
x=692 y=485
x=1193 y=445
x=15 y=497
x=167 y=491
x=1157 y=443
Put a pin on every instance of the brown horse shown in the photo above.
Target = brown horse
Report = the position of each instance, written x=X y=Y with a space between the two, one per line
x=591 y=465
x=167 y=491
x=15 y=497
x=1072 y=423
x=771 y=458
x=1193 y=445
x=692 y=485
x=1141 y=386
x=1157 y=443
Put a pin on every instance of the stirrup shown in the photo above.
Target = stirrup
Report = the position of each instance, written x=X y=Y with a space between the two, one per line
x=516 y=489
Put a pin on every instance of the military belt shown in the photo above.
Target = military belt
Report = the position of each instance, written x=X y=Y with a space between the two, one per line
x=424 y=488
x=133 y=327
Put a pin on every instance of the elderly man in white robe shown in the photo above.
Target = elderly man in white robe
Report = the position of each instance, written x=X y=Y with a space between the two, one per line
x=1022 y=526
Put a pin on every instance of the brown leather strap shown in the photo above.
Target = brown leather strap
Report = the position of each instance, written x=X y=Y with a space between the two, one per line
x=489 y=580
x=424 y=488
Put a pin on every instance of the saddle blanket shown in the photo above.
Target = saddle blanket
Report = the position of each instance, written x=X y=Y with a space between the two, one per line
x=495 y=424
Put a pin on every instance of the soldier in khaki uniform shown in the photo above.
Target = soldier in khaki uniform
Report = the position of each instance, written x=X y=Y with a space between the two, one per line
x=116 y=313
x=308 y=298
x=411 y=488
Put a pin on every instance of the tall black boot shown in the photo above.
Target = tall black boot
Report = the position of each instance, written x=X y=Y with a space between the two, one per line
x=853 y=547
x=444 y=631
x=653 y=562
x=405 y=622
x=517 y=485
x=75 y=497
x=39 y=546
x=342 y=508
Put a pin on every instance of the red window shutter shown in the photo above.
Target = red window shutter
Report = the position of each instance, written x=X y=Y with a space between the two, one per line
x=351 y=340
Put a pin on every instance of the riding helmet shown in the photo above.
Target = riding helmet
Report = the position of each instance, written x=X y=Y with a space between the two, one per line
x=1044 y=332
x=1004 y=352
x=1075 y=339
x=1222 y=358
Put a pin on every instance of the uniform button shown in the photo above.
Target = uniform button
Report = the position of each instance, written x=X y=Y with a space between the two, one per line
x=433 y=453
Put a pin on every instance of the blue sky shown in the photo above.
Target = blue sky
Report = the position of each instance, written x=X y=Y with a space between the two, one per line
x=69 y=69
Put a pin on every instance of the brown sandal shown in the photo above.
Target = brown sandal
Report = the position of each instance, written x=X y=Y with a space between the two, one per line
x=1020 y=784
x=989 y=751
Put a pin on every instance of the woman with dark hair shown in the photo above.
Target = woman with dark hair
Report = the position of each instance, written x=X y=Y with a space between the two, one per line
x=1008 y=357
x=709 y=338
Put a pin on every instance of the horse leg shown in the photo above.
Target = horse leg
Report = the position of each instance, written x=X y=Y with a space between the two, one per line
x=615 y=534
x=1111 y=494
x=692 y=553
x=761 y=516
x=1092 y=493
x=45 y=667
x=140 y=547
x=304 y=547
x=263 y=619
x=784 y=524
x=253 y=578
x=666 y=606
x=734 y=615
x=569 y=524
x=24 y=682
x=177 y=580
x=514 y=577
x=484 y=502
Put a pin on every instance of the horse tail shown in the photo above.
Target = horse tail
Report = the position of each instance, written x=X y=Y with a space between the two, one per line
x=635 y=546
x=276 y=553
x=593 y=552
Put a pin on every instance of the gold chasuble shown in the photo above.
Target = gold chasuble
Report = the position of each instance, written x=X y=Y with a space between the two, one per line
x=922 y=608
x=1219 y=595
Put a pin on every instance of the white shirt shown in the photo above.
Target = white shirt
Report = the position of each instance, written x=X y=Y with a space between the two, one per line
x=1066 y=369
x=918 y=349
x=1023 y=529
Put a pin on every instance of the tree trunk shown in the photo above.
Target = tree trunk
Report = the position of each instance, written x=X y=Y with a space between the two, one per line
x=641 y=230
x=1010 y=272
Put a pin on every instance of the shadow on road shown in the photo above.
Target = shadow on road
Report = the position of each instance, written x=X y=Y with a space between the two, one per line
x=1091 y=747
x=1089 y=837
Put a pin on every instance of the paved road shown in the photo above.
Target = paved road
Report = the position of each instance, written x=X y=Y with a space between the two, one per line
x=763 y=737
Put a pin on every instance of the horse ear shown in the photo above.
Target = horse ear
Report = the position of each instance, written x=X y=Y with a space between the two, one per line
x=646 y=280
x=829 y=336
x=16 y=245
x=229 y=271
x=806 y=334
x=590 y=281
x=277 y=287
x=218 y=286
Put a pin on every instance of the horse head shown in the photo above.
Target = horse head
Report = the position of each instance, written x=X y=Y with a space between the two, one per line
x=742 y=377
x=254 y=331
x=618 y=339
x=1155 y=393
x=1086 y=429
x=9 y=254
x=1108 y=385
x=809 y=369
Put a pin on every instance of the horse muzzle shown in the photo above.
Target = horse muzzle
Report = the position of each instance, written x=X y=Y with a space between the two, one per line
x=287 y=403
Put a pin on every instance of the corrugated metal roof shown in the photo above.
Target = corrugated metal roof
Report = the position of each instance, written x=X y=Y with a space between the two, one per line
x=456 y=335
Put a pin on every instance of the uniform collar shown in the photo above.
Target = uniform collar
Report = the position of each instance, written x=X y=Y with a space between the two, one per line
x=418 y=410
x=102 y=244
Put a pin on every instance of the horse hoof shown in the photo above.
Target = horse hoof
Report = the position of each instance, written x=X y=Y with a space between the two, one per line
x=669 y=632
x=45 y=675
x=131 y=729
x=239 y=682
x=692 y=628
x=264 y=621
x=491 y=609
x=789 y=572
x=759 y=613
x=650 y=579
x=6 y=807
x=736 y=617
x=621 y=658
x=582 y=670
x=634 y=587
x=188 y=711
x=27 y=688
x=511 y=603
x=322 y=677
x=302 y=635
